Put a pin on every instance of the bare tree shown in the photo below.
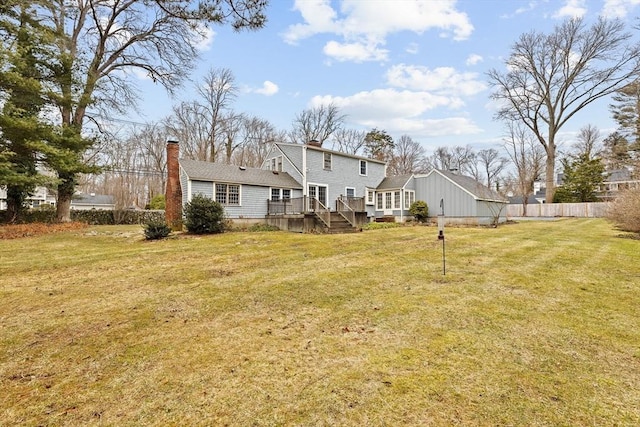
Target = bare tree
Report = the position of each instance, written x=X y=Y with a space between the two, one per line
x=99 y=43
x=257 y=136
x=408 y=157
x=550 y=77
x=491 y=165
x=588 y=143
x=349 y=141
x=187 y=125
x=318 y=123
x=459 y=159
x=217 y=92
x=231 y=134
x=527 y=157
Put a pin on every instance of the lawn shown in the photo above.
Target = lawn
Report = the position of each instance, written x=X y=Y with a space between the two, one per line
x=535 y=323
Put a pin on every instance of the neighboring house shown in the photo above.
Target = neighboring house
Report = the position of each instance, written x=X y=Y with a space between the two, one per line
x=244 y=192
x=85 y=202
x=466 y=201
x=616 y=181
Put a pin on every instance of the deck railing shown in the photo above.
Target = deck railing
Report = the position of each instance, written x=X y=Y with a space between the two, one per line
x=343 y=207
x=299 y=205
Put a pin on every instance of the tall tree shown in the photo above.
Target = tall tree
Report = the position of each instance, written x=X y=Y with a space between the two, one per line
x=379 y=145
x=349 y=141
x=550 y=77
x=23 y=55
x=616 y=151
x=626 y=111
x=408 y=157
x=491 y=165
x=459 y=159
x=217 y=92
x=587 y=143
x=100 y=41
x=317 y=124
x=527 y=157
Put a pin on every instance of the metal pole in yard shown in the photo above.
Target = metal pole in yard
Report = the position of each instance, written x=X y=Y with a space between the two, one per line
x=441 y=236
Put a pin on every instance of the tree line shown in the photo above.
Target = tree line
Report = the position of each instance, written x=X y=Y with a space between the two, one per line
x=64 y=70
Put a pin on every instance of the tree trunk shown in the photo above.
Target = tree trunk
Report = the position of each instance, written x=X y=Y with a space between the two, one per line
x=66 y=190
x=550 y=174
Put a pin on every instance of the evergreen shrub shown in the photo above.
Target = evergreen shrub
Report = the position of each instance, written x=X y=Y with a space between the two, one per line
x=204 y=216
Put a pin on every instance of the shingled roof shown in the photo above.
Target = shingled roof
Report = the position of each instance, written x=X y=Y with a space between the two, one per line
x=394 y=182
x=218 y=172
x=472 y=186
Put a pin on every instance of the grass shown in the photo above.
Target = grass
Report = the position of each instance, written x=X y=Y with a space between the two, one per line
x=534 y=324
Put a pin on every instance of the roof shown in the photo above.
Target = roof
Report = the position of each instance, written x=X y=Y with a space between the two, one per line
x=92 y=199
x=393 y=182
x=218 y=172
x=326 y=150
x=618 y=175
x=472 y=186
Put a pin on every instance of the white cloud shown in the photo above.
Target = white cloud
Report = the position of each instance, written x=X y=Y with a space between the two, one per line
x=443 y=80
x=268 y=89
x=356 y=52
x=203 y=38
x=618 y=8
x=366 y=24
x=474 y=59
x=413 y=48
x=571 y=9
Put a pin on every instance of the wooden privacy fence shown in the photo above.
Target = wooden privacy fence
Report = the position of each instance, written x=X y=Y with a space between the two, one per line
x=551 y=210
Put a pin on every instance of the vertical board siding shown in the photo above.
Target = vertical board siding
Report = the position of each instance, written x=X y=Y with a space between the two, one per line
x=551 y=210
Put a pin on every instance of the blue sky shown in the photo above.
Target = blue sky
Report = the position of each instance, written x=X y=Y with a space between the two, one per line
x=410 y=67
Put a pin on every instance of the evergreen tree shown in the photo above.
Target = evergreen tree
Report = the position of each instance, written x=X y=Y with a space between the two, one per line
x=23 y=130
x=582 y=176
x=626 y=111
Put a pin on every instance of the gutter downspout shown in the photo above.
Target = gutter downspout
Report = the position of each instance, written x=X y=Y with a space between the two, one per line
x=305 y=191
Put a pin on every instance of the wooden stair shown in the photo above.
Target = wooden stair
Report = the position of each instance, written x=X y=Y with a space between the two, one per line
x=340 y=225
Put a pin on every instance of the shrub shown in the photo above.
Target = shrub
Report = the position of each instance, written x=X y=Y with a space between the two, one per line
x=625 y=211
x=155 y=229
x=263 y=227
x=157 y=202
x=204 y=216
x=419 y=210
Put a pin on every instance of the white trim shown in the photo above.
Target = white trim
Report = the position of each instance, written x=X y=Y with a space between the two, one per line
x=346 y=191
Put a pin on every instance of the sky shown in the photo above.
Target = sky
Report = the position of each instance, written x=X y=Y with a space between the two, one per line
x=409 y=67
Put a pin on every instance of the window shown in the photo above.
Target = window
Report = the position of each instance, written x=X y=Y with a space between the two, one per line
x=363 y=167
x=370 y=196
x=280 y=194
x=228 y=194
x=396 y=200
x=327 y=161
x=276 y=164
x=379 y=205
x=409 y=198
x=350 y=192
x=387 y=200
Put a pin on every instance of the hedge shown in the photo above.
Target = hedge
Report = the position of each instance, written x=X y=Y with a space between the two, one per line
x=94 y=216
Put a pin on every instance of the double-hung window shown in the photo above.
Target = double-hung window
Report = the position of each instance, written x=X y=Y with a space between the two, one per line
x=326 y=161
x=228 y=194
x=409 y=198
x=363 y=167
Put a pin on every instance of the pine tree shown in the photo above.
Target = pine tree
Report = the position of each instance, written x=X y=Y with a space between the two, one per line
x=626 y=111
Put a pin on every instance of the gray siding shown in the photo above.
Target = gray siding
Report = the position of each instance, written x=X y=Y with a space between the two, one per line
x=345 y=172
x=184 y=184
x=202 y=187
x=434 y=187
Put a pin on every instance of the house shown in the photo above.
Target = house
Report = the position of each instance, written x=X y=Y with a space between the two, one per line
x=304 y=187
x=465 y=200
x=243 y=192
x=617 y=180
x=328 y=175
x=85 y=202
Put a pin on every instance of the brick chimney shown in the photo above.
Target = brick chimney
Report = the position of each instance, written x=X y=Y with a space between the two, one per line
x=173 y=195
